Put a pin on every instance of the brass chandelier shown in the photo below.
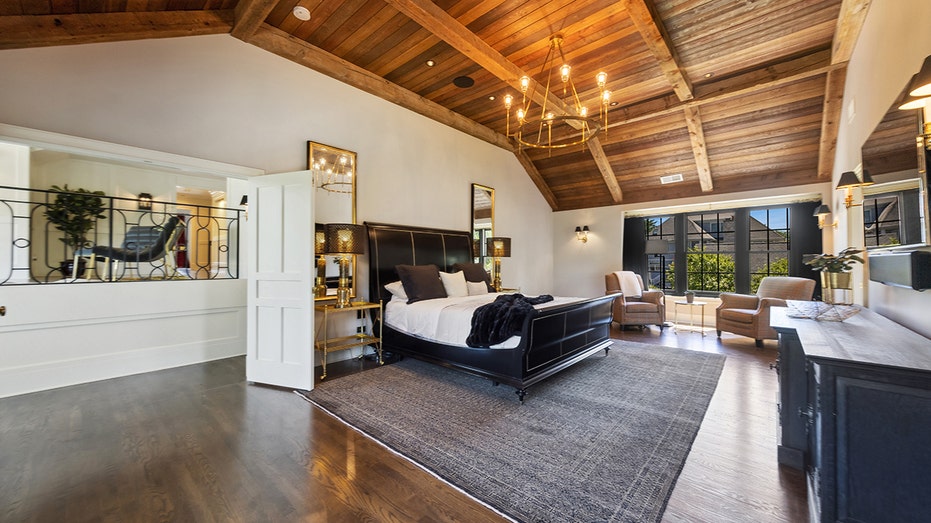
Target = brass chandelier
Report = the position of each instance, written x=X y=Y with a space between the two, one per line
x=333 y=172
x=554 y=123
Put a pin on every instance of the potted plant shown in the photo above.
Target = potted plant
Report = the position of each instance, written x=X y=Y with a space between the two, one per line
x=74 y=212
x=835 y=273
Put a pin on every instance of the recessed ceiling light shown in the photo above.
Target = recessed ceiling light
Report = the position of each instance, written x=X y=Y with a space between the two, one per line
x=492 y=97
x=709 y=75
x=301 y=13
x=614 y=104
x=430 y=63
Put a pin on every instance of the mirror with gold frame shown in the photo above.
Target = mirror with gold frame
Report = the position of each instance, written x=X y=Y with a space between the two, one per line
x=483 y=222
x=334 y=172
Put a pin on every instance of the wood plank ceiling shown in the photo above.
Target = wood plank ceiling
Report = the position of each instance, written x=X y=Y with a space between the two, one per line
x=732 y=94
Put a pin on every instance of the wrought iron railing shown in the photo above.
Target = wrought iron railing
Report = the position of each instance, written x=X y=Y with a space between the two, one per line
x=123 y=244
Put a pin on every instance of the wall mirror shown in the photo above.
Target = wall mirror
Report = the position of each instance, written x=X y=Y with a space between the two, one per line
x=483 y=221
x=895 y=209
x=334 y=172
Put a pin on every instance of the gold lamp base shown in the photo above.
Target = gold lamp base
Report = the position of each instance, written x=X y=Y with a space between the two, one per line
x=343 y=290
x=320 y=281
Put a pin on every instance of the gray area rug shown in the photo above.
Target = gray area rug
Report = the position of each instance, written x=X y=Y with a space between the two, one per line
x=601 y=441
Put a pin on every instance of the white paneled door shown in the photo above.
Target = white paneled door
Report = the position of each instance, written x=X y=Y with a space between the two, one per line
x=280 y=225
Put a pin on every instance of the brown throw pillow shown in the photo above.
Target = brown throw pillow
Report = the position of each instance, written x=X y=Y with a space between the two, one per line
x=474 y=272
x=421 y=282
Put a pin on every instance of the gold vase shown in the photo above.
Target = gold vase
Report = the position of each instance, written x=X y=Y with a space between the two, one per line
x=836 y=288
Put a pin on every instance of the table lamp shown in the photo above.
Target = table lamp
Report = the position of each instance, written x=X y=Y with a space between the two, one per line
x=344 y=240
x=498 y=247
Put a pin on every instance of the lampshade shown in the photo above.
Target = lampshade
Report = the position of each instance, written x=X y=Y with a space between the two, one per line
x=657 y=246
x=848 y=179
x=345 y=238
x=921 y=82
x=822 y=210
x=498 y=247
x=866 y=179
x=319 y=239
x=244 y=201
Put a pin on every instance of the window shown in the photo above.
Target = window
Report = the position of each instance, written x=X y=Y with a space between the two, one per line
x=882 y=219
x=728 y=250
x=710 y=239
x=769 y=244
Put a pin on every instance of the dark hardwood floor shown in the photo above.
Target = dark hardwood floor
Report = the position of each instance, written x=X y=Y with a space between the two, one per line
x=197 y=443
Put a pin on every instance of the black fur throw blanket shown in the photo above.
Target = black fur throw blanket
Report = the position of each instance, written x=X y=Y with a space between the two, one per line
x=499 y=320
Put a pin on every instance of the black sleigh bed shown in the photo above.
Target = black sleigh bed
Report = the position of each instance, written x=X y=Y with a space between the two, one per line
x=556 y=338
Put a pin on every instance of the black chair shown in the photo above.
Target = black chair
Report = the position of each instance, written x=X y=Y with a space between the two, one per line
x=143 y=244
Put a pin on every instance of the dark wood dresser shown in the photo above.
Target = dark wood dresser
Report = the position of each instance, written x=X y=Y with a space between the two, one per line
x=855 y=414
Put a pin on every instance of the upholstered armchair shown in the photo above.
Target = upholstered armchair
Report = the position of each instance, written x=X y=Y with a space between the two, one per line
x=748 y=315
x=637 y=306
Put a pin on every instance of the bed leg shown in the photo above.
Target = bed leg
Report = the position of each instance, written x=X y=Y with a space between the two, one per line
x=520 y=394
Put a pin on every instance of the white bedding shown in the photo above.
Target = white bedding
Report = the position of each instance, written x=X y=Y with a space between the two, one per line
x=447 y=320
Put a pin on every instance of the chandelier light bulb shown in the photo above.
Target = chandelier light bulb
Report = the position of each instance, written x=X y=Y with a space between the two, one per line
x=524 y=83
x=602 y=79
x=564 y=72
x=508 y=100
x=549 y=116
x=583 y=112
x=520 y=114
x=343 y=160
x=606 y=97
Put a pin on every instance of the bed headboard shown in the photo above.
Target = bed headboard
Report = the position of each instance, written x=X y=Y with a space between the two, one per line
x=391 y=245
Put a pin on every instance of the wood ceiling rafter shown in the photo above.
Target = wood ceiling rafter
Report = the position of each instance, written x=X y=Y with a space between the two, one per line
x=847 y=30
x=451 y=31
x=648 y=23
x=249 y=16
x=301 y=52
x=19 y=32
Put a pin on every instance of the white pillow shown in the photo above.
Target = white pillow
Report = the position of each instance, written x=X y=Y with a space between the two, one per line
x=455 y=284
x=396 y=288
x=477 y=287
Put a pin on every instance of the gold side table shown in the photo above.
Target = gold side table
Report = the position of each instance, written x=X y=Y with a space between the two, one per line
x=327 y=344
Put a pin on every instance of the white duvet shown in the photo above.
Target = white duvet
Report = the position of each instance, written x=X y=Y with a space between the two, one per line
x=447 y=320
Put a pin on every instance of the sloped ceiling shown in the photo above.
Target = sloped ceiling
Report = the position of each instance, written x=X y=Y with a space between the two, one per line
x=733 y=95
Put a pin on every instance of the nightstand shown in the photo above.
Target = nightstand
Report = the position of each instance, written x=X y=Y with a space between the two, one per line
x=328 y=344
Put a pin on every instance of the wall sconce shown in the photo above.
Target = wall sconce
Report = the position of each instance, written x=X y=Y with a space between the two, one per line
x=848 y=181
x=820 y=212
x=581 y=234
x=498 y=247
x=145 y=201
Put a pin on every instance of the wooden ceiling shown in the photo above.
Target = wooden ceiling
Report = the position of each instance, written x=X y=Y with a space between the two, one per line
x=733 y=95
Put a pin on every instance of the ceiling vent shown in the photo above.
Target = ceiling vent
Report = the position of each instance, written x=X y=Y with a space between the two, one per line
x=671 y=178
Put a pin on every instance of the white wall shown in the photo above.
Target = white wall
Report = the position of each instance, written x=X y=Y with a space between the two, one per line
x=61 y=334
x=891 y=47
x=581 y=267
x=217 y=98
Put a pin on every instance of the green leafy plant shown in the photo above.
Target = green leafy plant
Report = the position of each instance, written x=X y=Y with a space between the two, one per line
x=841 y=262
x=74 y=213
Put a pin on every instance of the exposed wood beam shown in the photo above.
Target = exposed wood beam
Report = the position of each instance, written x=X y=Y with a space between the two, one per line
x=604 y=167
x=699 y=149
x=650 y=26
x=849 y=22
x=537 y=178
x=445 y=27
x=17 y=32
x=830 y=121
x=249 y=16
x=301 y=52
x=726 y=89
